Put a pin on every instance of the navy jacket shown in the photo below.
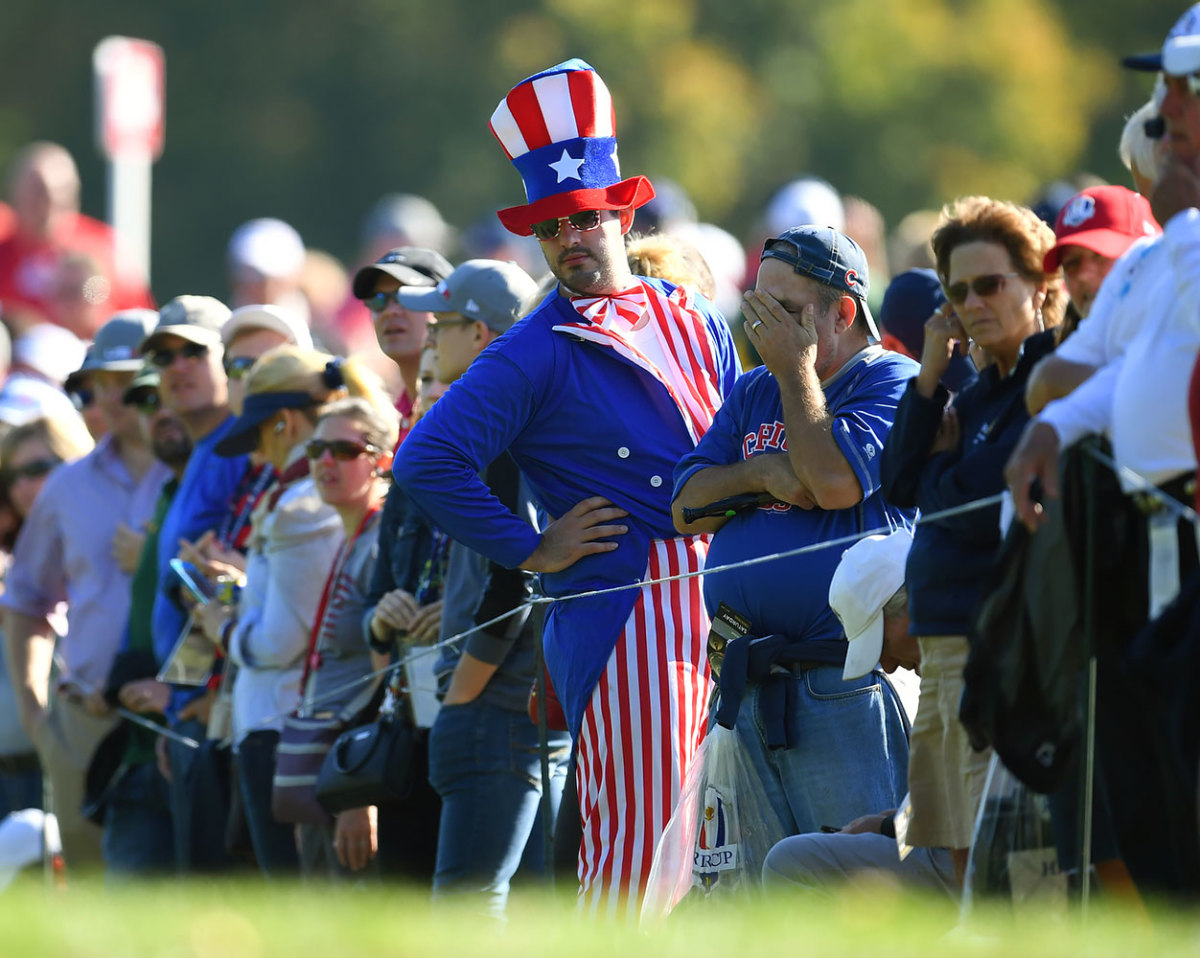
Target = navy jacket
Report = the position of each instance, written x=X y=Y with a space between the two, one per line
x=950 y=557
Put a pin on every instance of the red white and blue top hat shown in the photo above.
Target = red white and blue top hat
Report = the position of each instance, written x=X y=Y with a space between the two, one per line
x=559 y=129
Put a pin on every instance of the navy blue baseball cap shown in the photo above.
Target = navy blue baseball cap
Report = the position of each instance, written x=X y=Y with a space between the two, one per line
x=242 y=436
x=823 y=254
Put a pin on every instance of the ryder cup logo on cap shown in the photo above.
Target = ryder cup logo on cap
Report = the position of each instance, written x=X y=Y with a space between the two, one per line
x=559 y=130
x=1104 y=219
x=1081 y=209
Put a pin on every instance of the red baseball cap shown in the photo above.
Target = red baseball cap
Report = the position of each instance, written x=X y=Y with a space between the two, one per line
x=1105 y=219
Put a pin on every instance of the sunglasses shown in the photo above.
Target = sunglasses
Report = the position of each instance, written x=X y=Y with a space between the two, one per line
x=378 y=302
x=31 y=470
x=82 y=398
x=343 y=450
x=162 y=358
x=237 y=368
x=445 y=323
x=987 y=285
x=148 y=403
x=584 y=221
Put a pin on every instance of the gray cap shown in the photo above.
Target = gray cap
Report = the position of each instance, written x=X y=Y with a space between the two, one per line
x=406 y=215
x=117 y=341
x=198 y=319
x=485 y=289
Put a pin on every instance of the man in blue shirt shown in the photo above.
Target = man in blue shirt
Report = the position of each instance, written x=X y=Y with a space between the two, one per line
x=185 y=347
x=595 y=394
x=805 y=431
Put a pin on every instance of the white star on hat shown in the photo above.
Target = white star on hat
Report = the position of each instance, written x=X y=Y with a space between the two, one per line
x=567 y=167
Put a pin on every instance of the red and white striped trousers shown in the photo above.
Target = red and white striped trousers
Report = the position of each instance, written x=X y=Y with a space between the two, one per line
x=646 y=719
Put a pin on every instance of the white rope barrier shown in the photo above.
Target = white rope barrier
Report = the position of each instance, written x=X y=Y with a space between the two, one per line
x=1143 y=485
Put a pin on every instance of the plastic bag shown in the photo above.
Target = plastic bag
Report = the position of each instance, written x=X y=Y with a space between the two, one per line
x=719 y=833
x=1012 y=851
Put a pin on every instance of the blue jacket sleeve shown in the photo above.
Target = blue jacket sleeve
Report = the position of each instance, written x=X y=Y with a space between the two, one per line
x=865 y=421
x=907 y=449
x=951 y=479
x=721 y=445
x=438 y=464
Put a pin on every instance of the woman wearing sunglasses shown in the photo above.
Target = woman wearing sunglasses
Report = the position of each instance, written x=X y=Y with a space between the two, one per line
x=293 y=542
x=28 y=454
x=347 y=454
x=945 y=452
x=31 y=451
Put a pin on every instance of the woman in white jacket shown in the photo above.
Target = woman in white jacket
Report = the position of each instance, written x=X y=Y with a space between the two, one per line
x=291 y=548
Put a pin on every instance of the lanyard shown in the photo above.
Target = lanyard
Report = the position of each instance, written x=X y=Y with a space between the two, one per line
x=312 y=661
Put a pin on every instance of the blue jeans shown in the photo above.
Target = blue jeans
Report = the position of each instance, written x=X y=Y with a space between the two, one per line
x=484 y=763
x=199 y=796
x=138 y=834
x=274 y=842
x=850 y=753
x=20 y=784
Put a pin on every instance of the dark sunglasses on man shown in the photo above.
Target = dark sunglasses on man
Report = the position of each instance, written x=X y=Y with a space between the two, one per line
x=238 y=367
x=162 y=358
x=378 y=302
x=148 y=403
x=584 y=222
x=343 y=450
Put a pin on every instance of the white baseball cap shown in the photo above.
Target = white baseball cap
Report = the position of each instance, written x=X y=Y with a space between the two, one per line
x=870 y=573
x=20 y=842
x=808 y=201
x=1180 y=53
x=268 y=247
x=278 y=319
x=52 y=351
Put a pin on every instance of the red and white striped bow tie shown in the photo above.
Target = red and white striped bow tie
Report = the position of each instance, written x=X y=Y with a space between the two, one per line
x=629 y=305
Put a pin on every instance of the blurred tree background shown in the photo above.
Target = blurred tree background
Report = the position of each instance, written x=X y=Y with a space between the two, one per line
x=310 y=111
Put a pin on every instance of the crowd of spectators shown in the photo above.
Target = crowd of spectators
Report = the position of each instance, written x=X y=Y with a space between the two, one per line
x=237 y=536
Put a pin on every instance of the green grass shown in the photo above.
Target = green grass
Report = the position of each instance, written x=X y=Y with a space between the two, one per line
x=247 y=919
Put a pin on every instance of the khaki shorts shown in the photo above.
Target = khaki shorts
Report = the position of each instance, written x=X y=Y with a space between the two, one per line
x=945 y=775
x=65 y=745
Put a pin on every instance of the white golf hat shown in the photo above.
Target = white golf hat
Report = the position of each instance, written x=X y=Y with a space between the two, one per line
x=278 y=319
x=870 y=573
x=20 y=842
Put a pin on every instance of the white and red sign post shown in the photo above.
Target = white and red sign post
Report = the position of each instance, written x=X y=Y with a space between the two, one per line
x=130 y=83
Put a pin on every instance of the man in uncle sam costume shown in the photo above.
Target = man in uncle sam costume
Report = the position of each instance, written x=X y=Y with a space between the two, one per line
x=596 y=393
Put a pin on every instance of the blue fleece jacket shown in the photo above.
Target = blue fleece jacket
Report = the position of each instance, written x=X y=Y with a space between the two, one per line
x=950 y=556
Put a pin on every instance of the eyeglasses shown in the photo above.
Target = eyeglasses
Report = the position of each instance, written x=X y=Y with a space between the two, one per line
x=343 y=450
x=987 y=285
x=584 y=221
x=237 y=368
x=378 y=302
x=444 y=323
x=35 y=469
x=162 y=358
